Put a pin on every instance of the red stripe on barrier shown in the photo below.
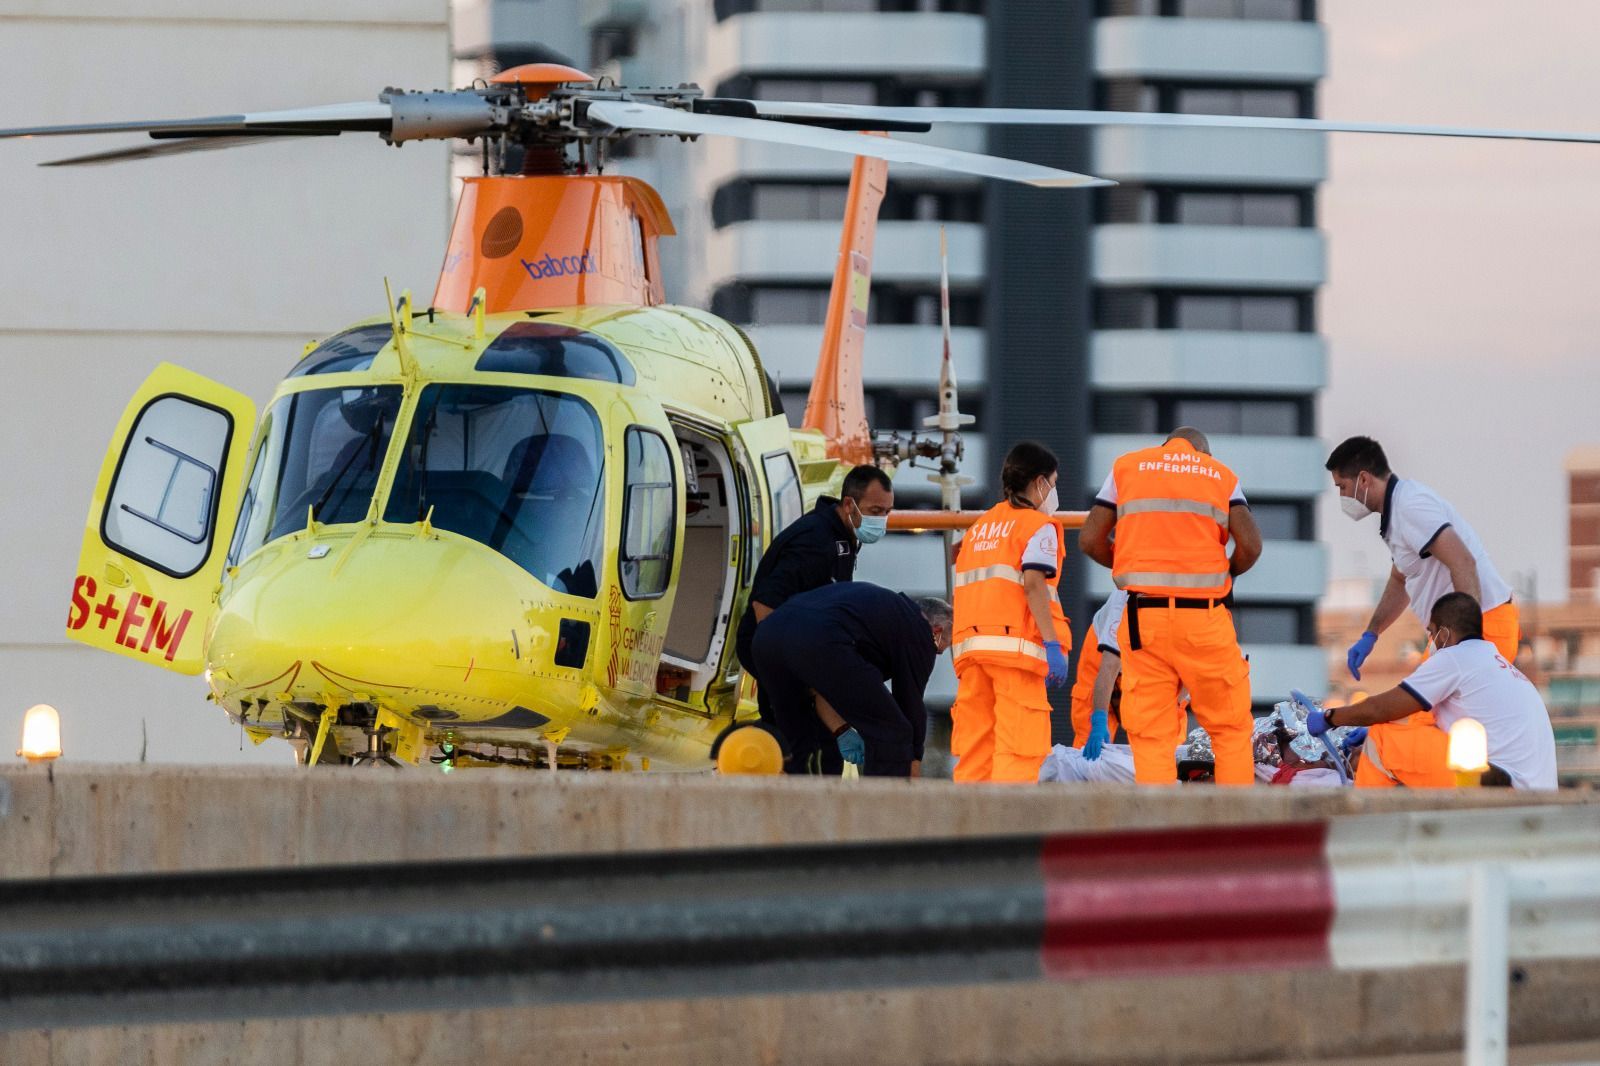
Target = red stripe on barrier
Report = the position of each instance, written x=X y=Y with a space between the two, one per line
x=1187 y=900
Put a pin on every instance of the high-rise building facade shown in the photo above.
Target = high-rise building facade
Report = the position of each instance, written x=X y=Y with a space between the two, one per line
x=1089 y=320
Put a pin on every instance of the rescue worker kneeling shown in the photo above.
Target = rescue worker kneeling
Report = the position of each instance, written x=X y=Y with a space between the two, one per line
x=1011 y=637
x=829 y=651
x=1173 y=509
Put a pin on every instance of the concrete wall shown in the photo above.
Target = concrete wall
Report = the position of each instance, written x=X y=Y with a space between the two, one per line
x=224 y=262
x=83 y=820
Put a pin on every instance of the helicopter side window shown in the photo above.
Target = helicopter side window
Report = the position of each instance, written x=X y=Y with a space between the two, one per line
x=648 y=519
x=353 y=349
x=555 y=351
x=784 y=484
x=320 y=453
x=518 y=470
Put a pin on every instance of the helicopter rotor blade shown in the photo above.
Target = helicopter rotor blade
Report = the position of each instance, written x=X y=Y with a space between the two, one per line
x=1023 y=116
x=374 y=117
x=647 y=118
x=173 y=146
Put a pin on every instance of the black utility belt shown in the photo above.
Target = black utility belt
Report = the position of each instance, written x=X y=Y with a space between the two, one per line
x=1137 y=601
x=1140 y=599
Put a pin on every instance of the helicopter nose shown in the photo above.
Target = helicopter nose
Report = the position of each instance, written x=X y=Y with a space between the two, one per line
x=387 y=615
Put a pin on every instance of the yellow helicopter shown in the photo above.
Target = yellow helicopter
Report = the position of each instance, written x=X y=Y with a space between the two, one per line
x=517 y=525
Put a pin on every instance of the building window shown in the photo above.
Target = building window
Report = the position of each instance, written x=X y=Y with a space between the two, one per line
x=728 y=8
x=800 y=305
x=885 y=92
x=1206 y=206
x=1121 y=308
x=1273 y=624
x=1272 y=10
x=749 y=201
x=1284 y=519
x=1189 y=98
x=1288 y=416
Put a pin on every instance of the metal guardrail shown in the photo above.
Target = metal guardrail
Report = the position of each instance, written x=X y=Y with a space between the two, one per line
x=1364 y=892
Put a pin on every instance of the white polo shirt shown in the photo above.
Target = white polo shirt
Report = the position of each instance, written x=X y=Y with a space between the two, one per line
x=1473 y=680
x=1041 y=550
x=1107 y=620
x=1413 y=516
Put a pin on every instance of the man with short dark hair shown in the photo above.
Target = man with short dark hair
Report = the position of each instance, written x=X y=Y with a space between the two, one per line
x=1434 y=551
x=817 y=549
x=824 y=657
x=1465 y=677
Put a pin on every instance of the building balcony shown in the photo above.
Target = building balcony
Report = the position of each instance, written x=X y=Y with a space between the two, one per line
x=1230 y=257
x=896 y=356
x=1277 y=668
x=1278 y=467
x=1208 y=361
x=1232 y=157
x=805 y=252
x=1232 y=50
x=917 y=45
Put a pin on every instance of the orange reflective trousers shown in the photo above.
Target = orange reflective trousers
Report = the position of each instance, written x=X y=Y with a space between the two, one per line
x=1000 y=724
x=1194 y=647
x=1411 y=751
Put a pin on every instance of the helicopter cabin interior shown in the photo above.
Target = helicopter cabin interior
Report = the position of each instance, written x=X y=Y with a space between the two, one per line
x=713 y=514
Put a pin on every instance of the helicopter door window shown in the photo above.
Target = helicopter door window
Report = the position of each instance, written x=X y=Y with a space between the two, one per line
x=162 y=506
x=784 y=484
x=648 y=518
x=517 y=470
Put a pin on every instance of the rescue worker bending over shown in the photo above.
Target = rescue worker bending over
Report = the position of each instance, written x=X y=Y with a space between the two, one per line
x=1011 y=637
x=1173 y=509
x=1094 y=719
x=842 y=642
x=1433 y=549
x=1465 y=677
x=815 y=549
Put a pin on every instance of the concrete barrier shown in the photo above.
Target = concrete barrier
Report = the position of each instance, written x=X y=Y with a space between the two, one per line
x=89 y=820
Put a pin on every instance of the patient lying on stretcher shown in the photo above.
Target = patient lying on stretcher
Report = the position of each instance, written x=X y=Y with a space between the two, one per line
x=1285 y=754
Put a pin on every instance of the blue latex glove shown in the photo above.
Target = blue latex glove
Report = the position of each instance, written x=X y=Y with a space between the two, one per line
x=1359 y=651
x=1057 y=675
x=1353 y=739
x=1316 y=720
x=1099 y=736
x=852 y=747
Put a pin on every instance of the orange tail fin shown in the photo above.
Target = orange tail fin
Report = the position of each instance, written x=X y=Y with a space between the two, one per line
x=837 y=405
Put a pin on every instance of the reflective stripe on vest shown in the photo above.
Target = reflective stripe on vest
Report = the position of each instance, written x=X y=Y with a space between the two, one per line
x=1180 y=581
x=1173 y=505
x=998 y=572
x=1008 y=645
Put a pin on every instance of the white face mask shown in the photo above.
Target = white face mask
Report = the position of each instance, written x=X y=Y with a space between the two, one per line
x=1353 y=507
x=1051 y=503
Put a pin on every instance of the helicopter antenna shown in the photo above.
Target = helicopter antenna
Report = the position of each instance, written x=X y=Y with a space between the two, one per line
x=399 y=320
x=949 y=420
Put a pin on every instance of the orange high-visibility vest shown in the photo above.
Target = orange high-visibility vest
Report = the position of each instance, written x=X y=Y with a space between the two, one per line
x=992 y=620
x=1172 y=522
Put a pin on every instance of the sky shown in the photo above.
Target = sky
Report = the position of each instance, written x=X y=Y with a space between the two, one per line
x=1461 y=308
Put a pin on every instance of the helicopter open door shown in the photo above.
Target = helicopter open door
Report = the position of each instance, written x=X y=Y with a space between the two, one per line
x=770 y=446
x=159 y=524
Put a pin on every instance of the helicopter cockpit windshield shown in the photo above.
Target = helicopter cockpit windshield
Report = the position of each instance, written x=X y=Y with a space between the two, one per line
x=519 y=470
x=320 y=455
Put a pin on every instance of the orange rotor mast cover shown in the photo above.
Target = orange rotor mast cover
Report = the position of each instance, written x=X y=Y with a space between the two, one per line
x=550 y=239
x=837 y=405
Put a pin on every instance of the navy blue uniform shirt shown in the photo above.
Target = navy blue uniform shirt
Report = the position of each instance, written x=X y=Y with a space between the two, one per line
x=814 y=550
x=884 y=627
